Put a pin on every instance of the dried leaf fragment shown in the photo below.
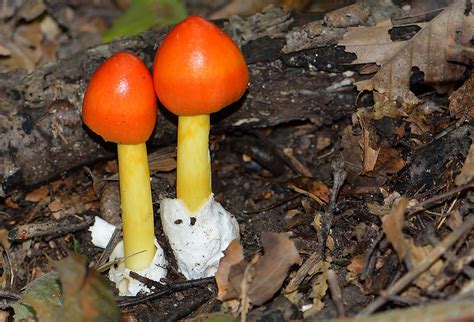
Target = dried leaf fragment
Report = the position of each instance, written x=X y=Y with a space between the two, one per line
x=319 y=288
x=264 y=276
x=432 y=50
x=461 y=101
x=233 y=255
x=467 y=171
x=392 y=226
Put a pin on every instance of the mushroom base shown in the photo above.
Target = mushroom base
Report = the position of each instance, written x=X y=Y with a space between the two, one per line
x=198 y=239
x=129 y=286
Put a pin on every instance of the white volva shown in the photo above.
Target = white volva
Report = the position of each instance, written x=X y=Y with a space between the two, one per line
x=101 y=233
x=129 y=286
x=198 y=241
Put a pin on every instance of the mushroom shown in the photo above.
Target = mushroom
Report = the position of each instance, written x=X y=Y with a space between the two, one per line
x=120 y=106
x=197 y=70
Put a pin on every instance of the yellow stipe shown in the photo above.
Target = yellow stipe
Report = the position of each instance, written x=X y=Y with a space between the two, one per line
x=137 y=209
x=193 y=182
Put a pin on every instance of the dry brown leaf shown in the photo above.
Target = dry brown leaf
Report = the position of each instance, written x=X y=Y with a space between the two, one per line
x=370 y=154
x=233 y=255
x=265 y=275
x=272 y=269
x=389 y=161
x=392 y=226
x=315 y=189
x=467 y=171
x=31 y=9
x=461 y=101
x=372 y=44
x=319 y=288
x=37 y=194
x=419 y=254
x=433 y=49
x=368 y=143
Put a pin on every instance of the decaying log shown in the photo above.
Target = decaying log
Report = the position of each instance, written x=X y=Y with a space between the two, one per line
x=291 y=67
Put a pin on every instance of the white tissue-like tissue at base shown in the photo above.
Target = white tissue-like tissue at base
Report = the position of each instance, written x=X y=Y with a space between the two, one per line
x=128 y=286
x=198 y=241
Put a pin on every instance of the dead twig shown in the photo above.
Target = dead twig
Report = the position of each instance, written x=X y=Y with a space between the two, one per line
x=302 y=272
x=423 y=205
x=175 y=287
x=403 y=282
x=336 y=293
x=369 y=263
x=114 y=240
x=7 y=298
x=273 y=206
x=339 y=177
x=50 y=229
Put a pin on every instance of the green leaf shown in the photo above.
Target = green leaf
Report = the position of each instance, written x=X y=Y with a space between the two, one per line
x=41 y=298
x=141 y=15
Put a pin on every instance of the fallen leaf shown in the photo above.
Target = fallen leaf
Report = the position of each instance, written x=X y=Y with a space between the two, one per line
x=319 y=288
x=56 y=205
x=43 y=296
x=368 y=143
x=467 y=171
x=232 y=255
x=392 y=226
x=37 y=194
x=74 y=293
x=418 y=255
x=272 y=269
x=266 y=274
x=31 y=9
x=460 y=101
x=315 y=189
x=371 y=44
x=87 y=295
x=439 y=43
x=389 y=161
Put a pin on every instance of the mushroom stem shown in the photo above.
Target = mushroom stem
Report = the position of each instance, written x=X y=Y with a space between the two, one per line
x=137 y=209
x=193 y=183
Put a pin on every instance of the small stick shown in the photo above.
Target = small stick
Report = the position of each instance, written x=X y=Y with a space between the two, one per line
x=303 y=272
x=50 y=229
x=125 y=301
x=339 y=177
x=403 y=282
x=114 y=240
x=426 y=203
x=7 y=298
x=272 y=206
x=336 y=293
x=368 y=265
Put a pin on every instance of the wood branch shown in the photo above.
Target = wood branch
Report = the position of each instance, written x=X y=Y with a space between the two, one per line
x=42 y=134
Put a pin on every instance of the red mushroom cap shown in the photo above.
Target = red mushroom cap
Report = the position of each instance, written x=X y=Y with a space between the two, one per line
x=120 y=102
x=198 y=69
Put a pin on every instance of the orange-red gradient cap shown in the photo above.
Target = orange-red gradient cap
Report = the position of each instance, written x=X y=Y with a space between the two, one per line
x=198 y=69
x=120 y=102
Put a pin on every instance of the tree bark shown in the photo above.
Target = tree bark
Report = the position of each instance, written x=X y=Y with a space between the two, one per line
x=291 y=71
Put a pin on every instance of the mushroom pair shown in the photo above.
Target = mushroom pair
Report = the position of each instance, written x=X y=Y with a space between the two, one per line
x=197 y=70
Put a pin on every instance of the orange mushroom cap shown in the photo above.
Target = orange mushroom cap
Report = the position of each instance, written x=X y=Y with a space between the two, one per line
x=120 y=102
x=198 y=69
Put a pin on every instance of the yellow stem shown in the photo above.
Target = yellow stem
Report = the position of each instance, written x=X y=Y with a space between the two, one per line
x=137 y=209
x=193 y=182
